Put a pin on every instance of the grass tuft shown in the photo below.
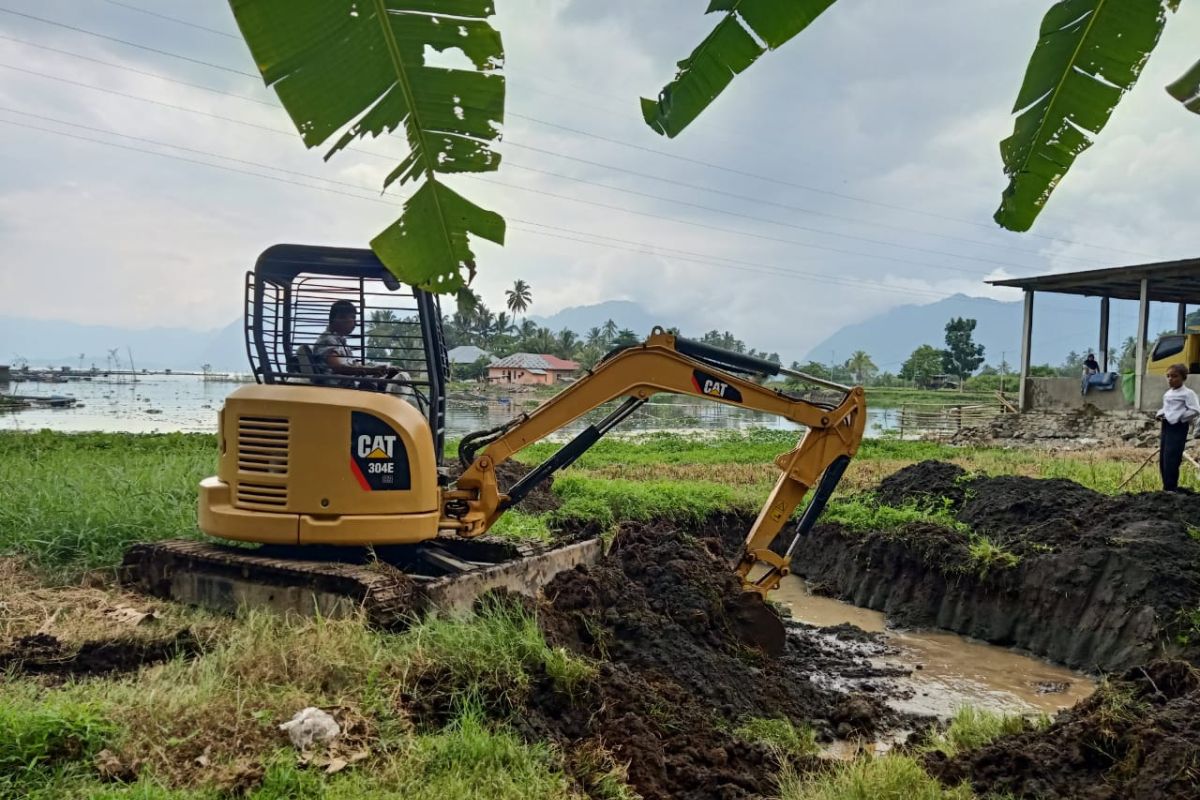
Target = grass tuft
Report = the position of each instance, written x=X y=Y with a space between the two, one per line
x=780 y=735
x=890 y=777
x=491 y=653
x=971 y=728
x=987 y=557
x=865 y=513
x=42 y=736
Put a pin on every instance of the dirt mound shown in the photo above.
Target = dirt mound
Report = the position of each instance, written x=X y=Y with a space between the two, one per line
x=681 y=666
x=924 y=483
x=42 y=654
x=1135 y=739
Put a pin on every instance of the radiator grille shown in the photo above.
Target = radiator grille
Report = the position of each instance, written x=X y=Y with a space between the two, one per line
x=262 y=445
x=262 y=495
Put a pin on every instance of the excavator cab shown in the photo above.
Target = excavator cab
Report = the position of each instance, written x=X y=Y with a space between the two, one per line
x=310 y=457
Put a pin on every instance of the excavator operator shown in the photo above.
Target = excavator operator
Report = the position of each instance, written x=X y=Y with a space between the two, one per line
x=333 y=352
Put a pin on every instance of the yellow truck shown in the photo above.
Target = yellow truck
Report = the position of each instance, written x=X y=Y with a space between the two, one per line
x=1175 y=348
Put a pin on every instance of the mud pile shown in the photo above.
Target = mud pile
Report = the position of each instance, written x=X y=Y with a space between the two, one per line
x=1138 y=738
x=43 y=654
x=1094 y=581
x=679 y=666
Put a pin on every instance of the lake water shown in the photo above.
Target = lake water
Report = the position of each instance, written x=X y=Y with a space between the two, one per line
x=190 y=404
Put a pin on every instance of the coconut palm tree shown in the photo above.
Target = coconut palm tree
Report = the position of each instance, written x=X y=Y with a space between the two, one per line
x=519 y=297
x=862 y=367
x=594 y=336
x=610 y=331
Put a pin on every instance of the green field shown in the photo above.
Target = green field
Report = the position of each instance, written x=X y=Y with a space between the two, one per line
x=70 y=504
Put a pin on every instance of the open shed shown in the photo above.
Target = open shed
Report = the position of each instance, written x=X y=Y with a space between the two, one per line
x=1176 y=282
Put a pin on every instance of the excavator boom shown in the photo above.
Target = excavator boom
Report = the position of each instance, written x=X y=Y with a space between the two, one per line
x=665 y=363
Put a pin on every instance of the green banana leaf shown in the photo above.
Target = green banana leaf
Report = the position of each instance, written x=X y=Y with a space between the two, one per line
x=358 y=66
x=1090 y=52
x=1187 y=89
x=735 y=44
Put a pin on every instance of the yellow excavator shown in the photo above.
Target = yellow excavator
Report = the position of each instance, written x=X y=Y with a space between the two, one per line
x=314 y=459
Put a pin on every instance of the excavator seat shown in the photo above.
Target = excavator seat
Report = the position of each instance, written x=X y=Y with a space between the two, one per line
x=309 y=367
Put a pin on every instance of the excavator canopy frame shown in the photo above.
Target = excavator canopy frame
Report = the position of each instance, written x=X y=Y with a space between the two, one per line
x=287 y=301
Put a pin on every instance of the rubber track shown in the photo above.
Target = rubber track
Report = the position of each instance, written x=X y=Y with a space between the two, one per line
x=389 y=597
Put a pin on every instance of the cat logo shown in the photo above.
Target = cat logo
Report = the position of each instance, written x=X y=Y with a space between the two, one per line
x=376 y=446
x=714 y=387
x=378 y=458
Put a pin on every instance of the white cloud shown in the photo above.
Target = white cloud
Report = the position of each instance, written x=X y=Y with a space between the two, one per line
x=902 y=105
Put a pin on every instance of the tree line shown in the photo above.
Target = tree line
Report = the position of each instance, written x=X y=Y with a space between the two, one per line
x=502 y=333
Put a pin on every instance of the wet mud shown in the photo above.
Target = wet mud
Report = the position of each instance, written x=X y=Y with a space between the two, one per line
x=43 y=654
x=1101 y=583
x=680 y=666
x=1138 y=738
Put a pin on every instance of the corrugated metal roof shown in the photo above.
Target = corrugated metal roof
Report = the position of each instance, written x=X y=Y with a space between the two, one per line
x=534 y=361
x=1166 y=282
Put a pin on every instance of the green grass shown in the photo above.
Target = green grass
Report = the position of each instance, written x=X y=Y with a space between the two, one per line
x=491 y=653
x=642 y=501
x=780 y=735
x=74 y=502
x=520 y=526
x=890 y=777
x=40 y=739
x=971 y=728
x=987 y=557
x=865 y=513
x=755 y=446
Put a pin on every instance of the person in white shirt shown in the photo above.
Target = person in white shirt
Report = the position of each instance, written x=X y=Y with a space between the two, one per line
x=1180 y=408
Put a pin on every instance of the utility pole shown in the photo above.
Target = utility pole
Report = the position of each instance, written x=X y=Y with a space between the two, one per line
x=1003 y=369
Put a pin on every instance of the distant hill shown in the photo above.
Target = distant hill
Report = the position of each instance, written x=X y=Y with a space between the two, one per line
x=626 y=313
x=891 y=336
x=60 y=343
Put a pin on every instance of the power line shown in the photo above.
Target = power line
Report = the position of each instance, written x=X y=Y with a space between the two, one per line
x=147 y=73
x=177 y=20
x=794 y=226
x=709 y=227
x=761 y=201
x=196 y=151
x=139 y=98
x=807 y=188
x=191 y=161
x=710 y=260
x=283 y=132
x=106 y=37
x=519 y=166
x=612 y=140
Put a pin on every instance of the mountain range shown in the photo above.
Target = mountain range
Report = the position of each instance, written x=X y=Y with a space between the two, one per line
x=1060 y=325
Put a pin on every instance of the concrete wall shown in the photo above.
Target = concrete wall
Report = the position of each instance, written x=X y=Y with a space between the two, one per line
x=1062 y=394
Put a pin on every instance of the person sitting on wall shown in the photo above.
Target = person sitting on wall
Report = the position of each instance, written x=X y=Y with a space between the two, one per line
x=1090 y=365
x=334 y=354
x=1179 y=409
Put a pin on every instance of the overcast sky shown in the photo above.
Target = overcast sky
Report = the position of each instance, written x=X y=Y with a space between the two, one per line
x=864 y=156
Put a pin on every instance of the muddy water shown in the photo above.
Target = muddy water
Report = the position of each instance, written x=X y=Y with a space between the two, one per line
x=948 y=671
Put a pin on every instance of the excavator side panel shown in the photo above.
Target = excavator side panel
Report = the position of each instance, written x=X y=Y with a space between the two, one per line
x=322 y=465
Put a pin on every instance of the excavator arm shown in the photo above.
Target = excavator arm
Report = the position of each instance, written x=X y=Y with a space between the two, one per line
x=666 y=363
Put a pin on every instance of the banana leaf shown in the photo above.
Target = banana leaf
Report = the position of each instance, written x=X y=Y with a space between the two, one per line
x=1088 y=55
x=748 y=29
x=1187 y=89
x=358 y=66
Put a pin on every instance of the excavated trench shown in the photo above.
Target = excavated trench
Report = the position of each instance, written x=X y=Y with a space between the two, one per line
x=1100 y=583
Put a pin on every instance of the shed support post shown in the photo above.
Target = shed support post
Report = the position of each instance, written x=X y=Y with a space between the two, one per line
x=1181 y=318
x=1023 y=398
x=1139 y=367
x=1104 y=313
